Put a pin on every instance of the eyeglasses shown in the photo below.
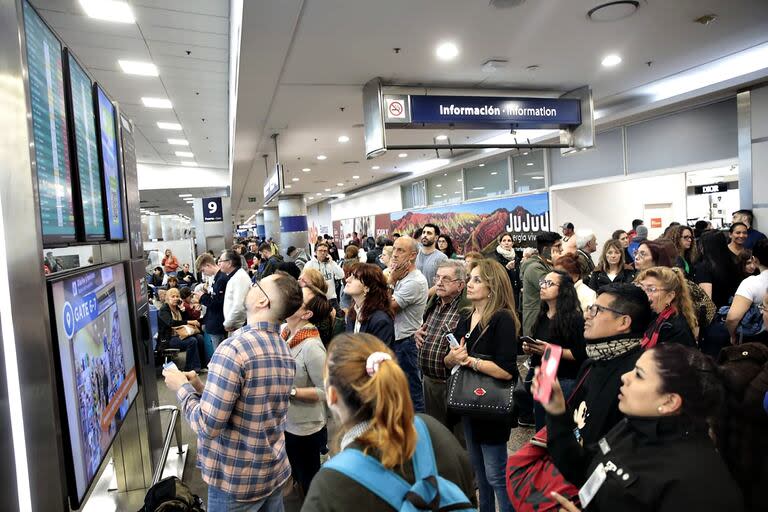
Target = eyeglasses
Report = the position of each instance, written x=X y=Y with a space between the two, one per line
x=221 y=260
x=651 y=289
x=257 y=285
x=640 y=253
x=546 y=283
x=445 y=279
x=594 y=309
x=687 y=237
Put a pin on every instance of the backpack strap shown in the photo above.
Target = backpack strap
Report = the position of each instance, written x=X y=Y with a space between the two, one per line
x=368 y=472
x=424 y=464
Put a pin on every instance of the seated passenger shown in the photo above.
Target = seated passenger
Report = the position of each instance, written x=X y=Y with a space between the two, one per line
x=368 y=393
x=660 y=457
x=190 y=304
x=172 y=282
x=170 y=316
x=185 y=275
x=675 y=321
x=157 y=278
x=371 y=312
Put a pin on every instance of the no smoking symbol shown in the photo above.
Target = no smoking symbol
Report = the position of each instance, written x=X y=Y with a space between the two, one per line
x=396 y=108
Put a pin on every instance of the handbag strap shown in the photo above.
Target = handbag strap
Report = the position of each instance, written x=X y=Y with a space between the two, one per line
x=578 y=386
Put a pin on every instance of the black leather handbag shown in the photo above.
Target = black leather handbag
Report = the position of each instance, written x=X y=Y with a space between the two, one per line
x=477 y=395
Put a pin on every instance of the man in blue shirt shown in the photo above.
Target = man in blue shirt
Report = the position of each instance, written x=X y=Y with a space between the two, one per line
x=213 y=298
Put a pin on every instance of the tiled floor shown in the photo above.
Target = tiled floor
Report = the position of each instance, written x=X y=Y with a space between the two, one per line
x=195 y=482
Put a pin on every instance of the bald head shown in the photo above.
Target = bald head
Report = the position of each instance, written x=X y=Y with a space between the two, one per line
x=405 y=250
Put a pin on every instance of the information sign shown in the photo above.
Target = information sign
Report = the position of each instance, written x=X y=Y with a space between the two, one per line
x=109 y=161
x=212 y=209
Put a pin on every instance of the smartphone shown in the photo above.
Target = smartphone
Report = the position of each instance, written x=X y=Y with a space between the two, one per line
x=170 y=365
x=550 y=360
x=452 y=340
x=528 y=339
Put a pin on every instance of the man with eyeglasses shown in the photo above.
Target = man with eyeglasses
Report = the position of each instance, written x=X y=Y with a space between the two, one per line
x=237 y=288
x=613 y=329
x=441 y=316
x=239 y=413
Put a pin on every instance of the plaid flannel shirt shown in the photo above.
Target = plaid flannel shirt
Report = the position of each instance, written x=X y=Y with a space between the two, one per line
x=240 y=417
x=441 y=319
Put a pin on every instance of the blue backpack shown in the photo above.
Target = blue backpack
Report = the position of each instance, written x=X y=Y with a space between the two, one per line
x=430 y=492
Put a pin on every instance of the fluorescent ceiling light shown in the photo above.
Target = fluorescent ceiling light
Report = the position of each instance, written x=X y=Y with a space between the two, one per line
x=481 y=165
x=189 y=164
x=441 y=137
x=355 y=177
x=294 y=180
x=339 y=184
x=185 y=195
x=134 y=67
x=525 y=153
x=447 y=51
x=494 y=173
x=402 y=155
x=741 y=63
x=156 y=102
x=306 y=169
x=343 y=139
x=375 y=167
x=176 y=127
x=529 y=164
x=459 y=180
x=478 y=188
x=178 y=142
x=537 y=177
x=108 y=10
x=327 y=190
x=611 y=60
x=289 y=186
x=185 y=154
x=439 y=185
x=321 y=157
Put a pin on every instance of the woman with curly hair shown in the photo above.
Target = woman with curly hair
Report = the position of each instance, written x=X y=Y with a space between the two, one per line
x=667 y=291
x=370 y=312
x=687 y=254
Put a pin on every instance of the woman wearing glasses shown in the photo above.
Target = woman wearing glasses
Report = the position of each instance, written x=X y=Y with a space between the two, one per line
x=612 y=266
x=682 y=238
x=668 y=294
x=370 y=312
x=560 y=322
x=653 y=254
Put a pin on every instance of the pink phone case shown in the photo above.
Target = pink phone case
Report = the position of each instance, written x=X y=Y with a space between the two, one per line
x=550 y=360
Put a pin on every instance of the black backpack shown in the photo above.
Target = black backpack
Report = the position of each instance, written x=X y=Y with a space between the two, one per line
x=171 y=495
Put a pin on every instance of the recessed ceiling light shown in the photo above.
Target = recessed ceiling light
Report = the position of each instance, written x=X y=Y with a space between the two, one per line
x=611 y=60
x=306 y=169
x=108 y=10
x=185 y=195
x=327 y=190
x=525 y=154
x=343 y=139
x=447 y=51
x=321 y=157
x=189 y=164
x=438 y=196
x=478 y=188
x=134 y=67
x=339 y=184
x=156 y=102
x=445 y=174
x=355 y=177
x=441 y=137
x=537 y=177
x=178 y=142
x=185 y=154
x=288 y=186
x=403 y=155
x=529 y=164
x=494 y=173
x=294 y=180
x=439 y=185
x=481 y=165
x=176 y=127
x=457 y=192
x=375 y=167
x=459 y=180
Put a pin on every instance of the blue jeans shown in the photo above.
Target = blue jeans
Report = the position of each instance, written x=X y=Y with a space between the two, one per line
x=489 y=462
x=540 y=415
x=220 y=501
x=191 y=346
x=216 y=339
x=405 y=351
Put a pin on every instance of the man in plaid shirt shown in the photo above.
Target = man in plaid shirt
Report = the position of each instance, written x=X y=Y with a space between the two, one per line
x=440 y=318
x=239 y=415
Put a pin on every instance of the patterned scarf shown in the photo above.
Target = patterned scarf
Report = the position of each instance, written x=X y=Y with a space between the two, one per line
x=605 y=350
x=510 y=255
x=308 y=331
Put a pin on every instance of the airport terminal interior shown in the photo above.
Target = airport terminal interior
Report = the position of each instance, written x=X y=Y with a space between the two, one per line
x=340 y=255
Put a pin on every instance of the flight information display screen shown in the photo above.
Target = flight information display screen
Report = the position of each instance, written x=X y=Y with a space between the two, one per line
x=112 y=187
x=97 y=368
x=81 y=91
x=49 y=127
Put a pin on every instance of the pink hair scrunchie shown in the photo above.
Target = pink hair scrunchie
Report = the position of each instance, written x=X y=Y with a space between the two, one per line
x=374 y=360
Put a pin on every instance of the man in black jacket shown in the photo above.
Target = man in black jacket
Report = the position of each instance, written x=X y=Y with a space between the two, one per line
x=613 y=328
x=213 y=298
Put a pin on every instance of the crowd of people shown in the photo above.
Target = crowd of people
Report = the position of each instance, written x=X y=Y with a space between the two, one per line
x=652 y=409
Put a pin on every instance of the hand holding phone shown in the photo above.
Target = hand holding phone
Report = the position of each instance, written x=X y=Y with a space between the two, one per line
x=547 y=374
x=452 y=340
x=170 y=365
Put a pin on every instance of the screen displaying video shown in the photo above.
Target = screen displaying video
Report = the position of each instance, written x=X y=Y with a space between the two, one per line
x=98 y=374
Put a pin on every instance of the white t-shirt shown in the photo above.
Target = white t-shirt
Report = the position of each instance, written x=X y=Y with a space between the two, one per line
x=754 y=288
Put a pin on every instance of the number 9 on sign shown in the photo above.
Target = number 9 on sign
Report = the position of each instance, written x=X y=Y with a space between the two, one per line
x=212 y=207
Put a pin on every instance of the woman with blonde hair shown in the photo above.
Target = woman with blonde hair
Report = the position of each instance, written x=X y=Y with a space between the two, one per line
x=611 y=268
x=670 y=299
x=368 y=393
x=488 y=344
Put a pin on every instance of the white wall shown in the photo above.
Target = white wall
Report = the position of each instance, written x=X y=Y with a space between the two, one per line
x=184 y=250
x=607 y=207
x=154 y=177
x=387 y=200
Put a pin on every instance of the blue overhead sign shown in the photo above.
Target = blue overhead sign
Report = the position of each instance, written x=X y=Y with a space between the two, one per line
x=485 y=110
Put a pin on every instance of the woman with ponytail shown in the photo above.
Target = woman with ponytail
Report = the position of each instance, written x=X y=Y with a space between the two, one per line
x=667 y=291
x=368 y=393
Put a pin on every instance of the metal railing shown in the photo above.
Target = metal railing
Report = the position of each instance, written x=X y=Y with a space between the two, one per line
x=173 y=427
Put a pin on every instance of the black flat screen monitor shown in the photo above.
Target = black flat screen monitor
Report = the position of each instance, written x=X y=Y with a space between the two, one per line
x=96 y=368
x=49 y=130
x=113 y=189
x=86 y=152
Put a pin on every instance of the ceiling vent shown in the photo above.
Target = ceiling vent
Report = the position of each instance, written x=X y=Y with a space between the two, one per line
x=506 y=4
x=613 y=11
x=251 y=199
x=493 y=65
x=351 y=162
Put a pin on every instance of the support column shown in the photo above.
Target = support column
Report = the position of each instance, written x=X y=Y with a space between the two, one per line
x=272 y=224
x=155 y=227
x=293 y=222
x=260 y=225
x=753 y=153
